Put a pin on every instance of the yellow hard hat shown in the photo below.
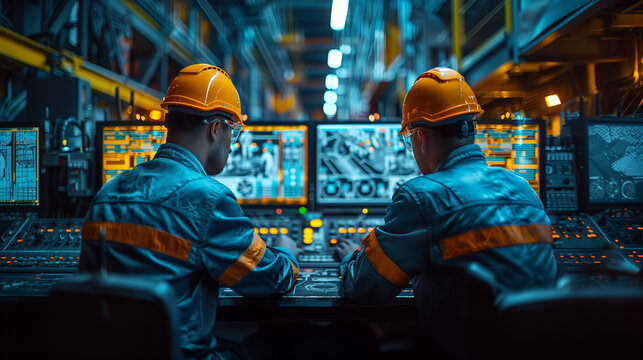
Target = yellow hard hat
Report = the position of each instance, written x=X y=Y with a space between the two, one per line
x=438 y=97
x=204 y=90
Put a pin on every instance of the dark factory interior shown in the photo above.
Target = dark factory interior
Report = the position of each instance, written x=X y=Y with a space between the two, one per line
x=321 y=179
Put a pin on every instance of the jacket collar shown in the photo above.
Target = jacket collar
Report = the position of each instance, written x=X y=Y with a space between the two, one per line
x=466 y=153
x=181 y=155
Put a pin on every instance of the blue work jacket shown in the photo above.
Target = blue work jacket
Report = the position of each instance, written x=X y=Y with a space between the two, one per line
x=168 y=220
x=466 y=211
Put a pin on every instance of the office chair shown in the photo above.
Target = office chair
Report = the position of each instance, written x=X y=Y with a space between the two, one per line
x=555 y=323
x=100 y=316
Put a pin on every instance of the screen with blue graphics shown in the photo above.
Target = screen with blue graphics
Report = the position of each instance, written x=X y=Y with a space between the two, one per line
x=268 y=165
x=19 y=166
x=361 y=164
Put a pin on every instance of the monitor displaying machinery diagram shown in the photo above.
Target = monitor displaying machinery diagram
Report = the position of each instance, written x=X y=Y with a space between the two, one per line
x=127 y=145
x=615 y=163
x=269 y=165
x=515 y=147
x=361 y=163
x=19 y=165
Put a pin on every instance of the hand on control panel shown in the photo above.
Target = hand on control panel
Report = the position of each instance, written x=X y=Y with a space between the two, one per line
x=345 y=247
x=288 y=243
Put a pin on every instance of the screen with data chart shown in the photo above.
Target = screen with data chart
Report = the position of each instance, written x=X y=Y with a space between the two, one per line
x=515 y=147
x=615 y=163
x=361 y=163
x=19 y=166
x=125 y=146
x=268 y=165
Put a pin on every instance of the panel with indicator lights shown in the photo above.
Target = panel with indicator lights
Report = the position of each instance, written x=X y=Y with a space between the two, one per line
x=361 y=163
x=515 y=147
x=125 y=146
x=269 y=165
x=51 y=245
x=19 y=166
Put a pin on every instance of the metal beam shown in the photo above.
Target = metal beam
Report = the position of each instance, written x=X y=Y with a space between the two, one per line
x=58 y=16
x=26 y=51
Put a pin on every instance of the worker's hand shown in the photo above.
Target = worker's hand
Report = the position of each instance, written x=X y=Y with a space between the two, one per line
x=288 y=243
x=345 y=247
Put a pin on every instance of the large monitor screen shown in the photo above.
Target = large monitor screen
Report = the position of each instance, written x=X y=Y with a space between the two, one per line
x=125 y=146
x=615 y=163
x=515 y=147
x=19 y=166
x=361 y=163
x=269 y=165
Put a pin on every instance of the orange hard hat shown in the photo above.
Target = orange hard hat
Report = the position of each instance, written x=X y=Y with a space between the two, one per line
x=438 y=97
x=204 y=89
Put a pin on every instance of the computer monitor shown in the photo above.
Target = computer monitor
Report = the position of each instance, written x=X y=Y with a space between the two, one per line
x=19 y=164
x=127 y=144
x=614 y=162
x=268 y=165
x=361 y=163
x=517 y=146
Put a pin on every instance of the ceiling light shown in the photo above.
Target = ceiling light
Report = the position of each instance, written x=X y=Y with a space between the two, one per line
x=330 y=97
x=552 y=100
x=330 y=109
x=334 y=58
x=338 y=14
x=332 y=81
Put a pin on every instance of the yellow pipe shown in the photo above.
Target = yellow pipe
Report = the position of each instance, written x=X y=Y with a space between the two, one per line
x=142 y=14
x=508 y=16
x=26 y=51
x=457 y=31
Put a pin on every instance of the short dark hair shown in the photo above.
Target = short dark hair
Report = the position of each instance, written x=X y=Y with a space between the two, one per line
x=180 y=121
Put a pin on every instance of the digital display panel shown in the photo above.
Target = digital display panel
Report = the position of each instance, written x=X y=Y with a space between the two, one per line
x=125 y=146
x=361 y=163
x=19 y=166
x=515 y=147
x=269 y=165
x=615 y=163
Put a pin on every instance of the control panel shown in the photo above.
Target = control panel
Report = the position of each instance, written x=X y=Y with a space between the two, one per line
x=41 y=245
x=561 y=179
x=580 y=244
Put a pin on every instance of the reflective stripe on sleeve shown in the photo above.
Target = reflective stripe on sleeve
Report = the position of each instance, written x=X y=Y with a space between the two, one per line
x=139 y=236
x=295 y=276
x=493 y=237
x=245 y=263
x=382 y=263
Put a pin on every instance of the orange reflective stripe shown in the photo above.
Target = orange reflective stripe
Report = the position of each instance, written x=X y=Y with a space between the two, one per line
x=245 y=263
x=493 y=237
x=139 y=236
x=382 y=263
x=294 y=280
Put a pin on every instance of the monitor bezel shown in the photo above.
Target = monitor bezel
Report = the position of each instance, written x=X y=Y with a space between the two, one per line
x=542 y=141
x=345 y=207
x=22 y=208
x=587 y=204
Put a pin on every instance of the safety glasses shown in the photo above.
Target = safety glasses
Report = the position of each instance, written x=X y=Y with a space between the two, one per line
x=235 y=128
x=406 y=138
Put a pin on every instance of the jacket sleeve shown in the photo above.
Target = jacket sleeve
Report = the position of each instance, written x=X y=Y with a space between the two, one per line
x=237 y=257
x=390 y=254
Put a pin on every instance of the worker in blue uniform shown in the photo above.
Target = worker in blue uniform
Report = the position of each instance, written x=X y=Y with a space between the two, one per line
x=167 y=219
x=458 y=212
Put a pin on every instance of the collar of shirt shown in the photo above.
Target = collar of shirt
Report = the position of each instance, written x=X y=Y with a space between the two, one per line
x=181 y=155
x=471 y=152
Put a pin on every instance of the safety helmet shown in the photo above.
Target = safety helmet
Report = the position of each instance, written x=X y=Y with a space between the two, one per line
x=439 y=96
x=203 y=89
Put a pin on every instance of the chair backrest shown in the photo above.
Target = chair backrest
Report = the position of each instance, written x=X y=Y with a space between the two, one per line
x=113 y=317
x=570 y=323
